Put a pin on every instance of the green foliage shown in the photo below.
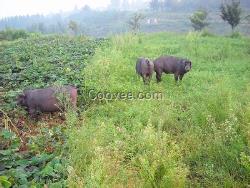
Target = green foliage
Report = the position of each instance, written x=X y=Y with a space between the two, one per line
x=43 y=61
x=10 y=34
x=4 y=182
x=38 y=62
x=36 y=167
x=206 y=33
x=231 y=13
x=199 y=20
x=197 y=136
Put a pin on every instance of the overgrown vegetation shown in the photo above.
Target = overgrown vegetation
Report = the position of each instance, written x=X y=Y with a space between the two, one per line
x=35 y=154
x=39 y=162
x=42 y=61
x=196 y=136
x=10 y=34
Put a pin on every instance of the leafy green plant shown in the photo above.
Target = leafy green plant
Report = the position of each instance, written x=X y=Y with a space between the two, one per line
x=4 y=182
x=37 y=165
x=199 y=20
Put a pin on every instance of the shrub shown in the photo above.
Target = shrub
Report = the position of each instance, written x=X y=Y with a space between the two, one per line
x=198 y=20
x=10 y=34
x=206 y=33
x=235 y=35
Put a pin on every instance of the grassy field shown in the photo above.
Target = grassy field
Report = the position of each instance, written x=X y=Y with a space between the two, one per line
x=196 y=135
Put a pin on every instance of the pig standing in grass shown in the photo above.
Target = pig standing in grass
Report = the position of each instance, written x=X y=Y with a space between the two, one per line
x=47 y=100
x=145 y=68
x=171 y=65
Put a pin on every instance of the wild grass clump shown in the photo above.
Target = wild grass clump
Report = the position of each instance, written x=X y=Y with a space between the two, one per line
x=236 y=35
x=207 y=33
x=197 y=135
x=117 y=157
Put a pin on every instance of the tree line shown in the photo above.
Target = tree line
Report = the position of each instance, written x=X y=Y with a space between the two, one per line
x=229 y=12
x=86 y=21
x=189 y=5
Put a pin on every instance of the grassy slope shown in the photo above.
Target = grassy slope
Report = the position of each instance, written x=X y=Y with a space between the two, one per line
x=197 y=135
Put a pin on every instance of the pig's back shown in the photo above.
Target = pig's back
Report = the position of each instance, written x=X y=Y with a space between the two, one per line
x=168 y=64
x=43 y=99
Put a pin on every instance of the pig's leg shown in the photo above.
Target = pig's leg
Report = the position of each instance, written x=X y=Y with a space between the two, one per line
x=176 y=77
x=32 y=113
x=144 y=79
x=149 y=79
x=181 y=76
x=158 y=76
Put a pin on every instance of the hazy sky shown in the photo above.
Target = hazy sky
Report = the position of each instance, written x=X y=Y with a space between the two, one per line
x=24 y=7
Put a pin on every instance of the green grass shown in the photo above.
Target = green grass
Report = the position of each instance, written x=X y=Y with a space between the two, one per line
x=196 y=136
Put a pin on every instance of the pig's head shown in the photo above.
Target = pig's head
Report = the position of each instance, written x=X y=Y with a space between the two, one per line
x=21 y=100
x=187 y=65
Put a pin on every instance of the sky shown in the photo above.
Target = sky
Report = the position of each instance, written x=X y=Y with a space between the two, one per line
x=29 y=7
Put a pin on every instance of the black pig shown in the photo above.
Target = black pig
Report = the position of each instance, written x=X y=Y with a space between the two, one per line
x=171 y=65
x=145 y=68
x=46 y=100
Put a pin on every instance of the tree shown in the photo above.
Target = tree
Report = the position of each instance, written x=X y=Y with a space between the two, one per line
x=198 y=20
x=74 y=27
x=231 y=13
x=134 y=22
x=248 y=18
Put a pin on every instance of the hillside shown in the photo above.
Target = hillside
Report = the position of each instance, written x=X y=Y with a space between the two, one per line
x=106 y=23
x=195 y=135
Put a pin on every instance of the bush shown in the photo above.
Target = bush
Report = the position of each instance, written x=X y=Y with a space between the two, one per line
x=206 y=33
x=10 y=34
x=236 y=35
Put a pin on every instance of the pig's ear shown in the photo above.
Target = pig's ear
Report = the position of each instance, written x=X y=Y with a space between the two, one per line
x=187 y=62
